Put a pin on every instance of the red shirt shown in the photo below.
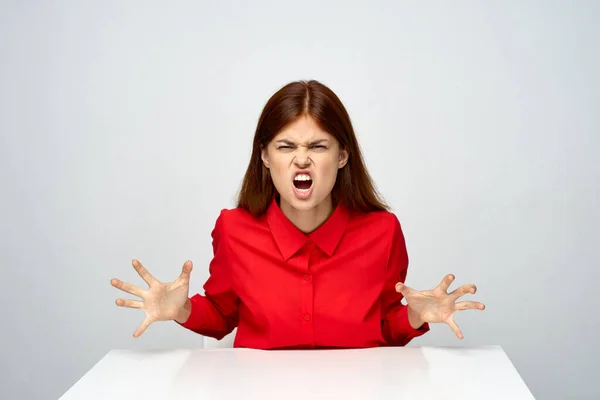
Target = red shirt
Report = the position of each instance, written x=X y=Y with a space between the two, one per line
x=281 y=288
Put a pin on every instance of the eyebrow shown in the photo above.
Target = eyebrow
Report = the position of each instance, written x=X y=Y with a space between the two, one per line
x=314 y=142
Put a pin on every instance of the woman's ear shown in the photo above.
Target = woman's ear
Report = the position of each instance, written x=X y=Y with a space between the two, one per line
x=343 y=158
x=264 y=156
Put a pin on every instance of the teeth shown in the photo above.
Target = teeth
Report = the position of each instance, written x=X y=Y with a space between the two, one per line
x=302 y=177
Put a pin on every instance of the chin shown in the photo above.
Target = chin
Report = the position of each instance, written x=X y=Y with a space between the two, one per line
x=303 y=204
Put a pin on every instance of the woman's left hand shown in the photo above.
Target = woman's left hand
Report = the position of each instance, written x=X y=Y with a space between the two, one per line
x=438 y=305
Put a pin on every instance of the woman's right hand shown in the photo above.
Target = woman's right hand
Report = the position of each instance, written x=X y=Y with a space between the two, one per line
x=161 y=301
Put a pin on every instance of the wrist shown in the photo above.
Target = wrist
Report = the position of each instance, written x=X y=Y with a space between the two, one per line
x=184 y=313
x=414 y=318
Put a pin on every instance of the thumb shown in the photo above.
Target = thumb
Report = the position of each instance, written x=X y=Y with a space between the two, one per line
x=402 y=288
x=186 y=270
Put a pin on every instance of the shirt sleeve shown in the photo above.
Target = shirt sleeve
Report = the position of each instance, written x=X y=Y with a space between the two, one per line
x=215 y=313
x=396 y=328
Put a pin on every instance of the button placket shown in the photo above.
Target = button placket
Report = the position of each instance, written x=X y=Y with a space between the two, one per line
x=307 y=293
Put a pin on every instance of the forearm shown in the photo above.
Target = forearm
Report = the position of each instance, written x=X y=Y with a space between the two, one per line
x=202 y=315
x=401 y=325
x=216 y=313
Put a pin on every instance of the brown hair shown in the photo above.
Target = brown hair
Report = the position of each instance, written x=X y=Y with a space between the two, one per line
x=353 y=188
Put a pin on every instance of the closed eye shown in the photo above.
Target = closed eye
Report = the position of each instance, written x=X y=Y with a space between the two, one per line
x=286 y=145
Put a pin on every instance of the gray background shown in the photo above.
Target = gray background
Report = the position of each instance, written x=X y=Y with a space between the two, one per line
x=126 y=127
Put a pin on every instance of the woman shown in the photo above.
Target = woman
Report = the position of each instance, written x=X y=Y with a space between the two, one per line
x=311 y=257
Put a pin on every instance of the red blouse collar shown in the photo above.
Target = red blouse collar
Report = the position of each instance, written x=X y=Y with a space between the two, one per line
x=290 y=239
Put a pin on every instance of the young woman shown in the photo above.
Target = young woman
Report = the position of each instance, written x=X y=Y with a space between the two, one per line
x=311 y=257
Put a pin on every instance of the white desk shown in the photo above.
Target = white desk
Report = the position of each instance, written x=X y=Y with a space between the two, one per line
x=379 y=373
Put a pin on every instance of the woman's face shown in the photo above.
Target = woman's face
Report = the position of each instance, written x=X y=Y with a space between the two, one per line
x=303 y=161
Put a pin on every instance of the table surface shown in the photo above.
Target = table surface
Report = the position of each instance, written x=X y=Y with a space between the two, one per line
x=379 y=373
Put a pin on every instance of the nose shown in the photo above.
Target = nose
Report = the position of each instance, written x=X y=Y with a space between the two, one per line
x=302 y=160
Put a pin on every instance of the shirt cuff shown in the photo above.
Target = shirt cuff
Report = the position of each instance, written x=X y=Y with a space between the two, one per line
x=193 y=320
x=403 y=327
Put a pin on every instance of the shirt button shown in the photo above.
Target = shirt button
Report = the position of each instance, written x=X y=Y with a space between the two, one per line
x=307 y=317
x=307 y=277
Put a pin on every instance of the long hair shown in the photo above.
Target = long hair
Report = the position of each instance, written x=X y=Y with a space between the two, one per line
x=353 y=188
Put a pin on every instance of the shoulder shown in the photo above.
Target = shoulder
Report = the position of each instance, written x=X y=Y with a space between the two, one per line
x=237 y=221
x=379 y=227
x=229 y=215
x=385 y=222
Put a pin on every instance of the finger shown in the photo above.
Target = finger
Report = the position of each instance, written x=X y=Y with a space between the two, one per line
x=126 y=287
x=455 y=328
x=186 y=271
x=445 y=284
x=461 y=291
x=402 y=288
x=142 y=328
x=129 y=303
x=143 y=272
x=469 y=305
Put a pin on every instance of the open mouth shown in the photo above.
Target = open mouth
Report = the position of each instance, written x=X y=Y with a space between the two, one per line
x=303 y=185
x=302 y=181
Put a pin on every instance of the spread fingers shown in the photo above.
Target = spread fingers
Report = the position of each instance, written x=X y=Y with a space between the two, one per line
x=129 y=303
x=126 y=287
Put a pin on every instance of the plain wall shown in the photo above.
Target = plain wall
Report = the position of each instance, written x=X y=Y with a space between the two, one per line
x=125 y=127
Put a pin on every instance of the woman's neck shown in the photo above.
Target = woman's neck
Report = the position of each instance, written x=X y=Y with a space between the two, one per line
x=308 y=220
